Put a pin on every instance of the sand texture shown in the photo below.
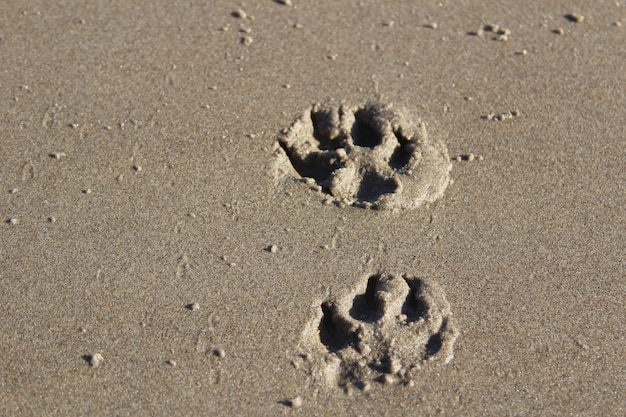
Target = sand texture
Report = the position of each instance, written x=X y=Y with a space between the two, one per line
x=315 y=208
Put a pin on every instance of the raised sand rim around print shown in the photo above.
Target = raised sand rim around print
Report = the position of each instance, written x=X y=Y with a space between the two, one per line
x=369 y=156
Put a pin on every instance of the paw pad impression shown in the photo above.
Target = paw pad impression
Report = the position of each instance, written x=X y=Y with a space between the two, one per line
x=382 y=331
x=369 y=156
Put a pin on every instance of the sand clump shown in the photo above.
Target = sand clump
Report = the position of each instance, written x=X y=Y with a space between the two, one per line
x=295 y=402
x=96 y=360
x=370 y=156
x=383 y=331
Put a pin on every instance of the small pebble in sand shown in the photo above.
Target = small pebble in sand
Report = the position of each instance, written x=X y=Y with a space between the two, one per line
x=95 y=360
x=219 y=353
x=467 y=157
x=432 y=25
x=502 y=116
x=57 y=155
x=193 y=306
x=272 y=249
x=240 y=13
x=575 y=17
x=13 y=221
x=492 y=28
x=52 y=219
x=295 y=402
x=502 y=34
x=285 y=2
x=171 y=363
x=247 y=40
x=559 y=31
x=86 y=191
x=13 y=190
x=137 y=168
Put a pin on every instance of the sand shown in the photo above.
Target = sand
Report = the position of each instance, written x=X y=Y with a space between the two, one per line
x=371 y=156
x=152 y=262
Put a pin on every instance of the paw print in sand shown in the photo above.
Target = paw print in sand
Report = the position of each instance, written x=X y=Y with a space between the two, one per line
x=384 y=331
x=369 y=156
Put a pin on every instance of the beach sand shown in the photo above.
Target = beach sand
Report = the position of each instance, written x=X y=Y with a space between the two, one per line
x=153 y=262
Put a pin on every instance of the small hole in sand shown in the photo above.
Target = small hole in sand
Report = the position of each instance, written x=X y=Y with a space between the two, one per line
x=364 y=133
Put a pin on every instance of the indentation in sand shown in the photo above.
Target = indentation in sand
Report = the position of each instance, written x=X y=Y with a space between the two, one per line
x=368 y=156
x=384 y=330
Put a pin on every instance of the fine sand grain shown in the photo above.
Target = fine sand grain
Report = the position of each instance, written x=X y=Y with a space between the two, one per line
x=186 y=232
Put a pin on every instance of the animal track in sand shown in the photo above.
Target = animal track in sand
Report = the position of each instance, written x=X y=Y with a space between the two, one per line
x=368 y=156
x=384 y=331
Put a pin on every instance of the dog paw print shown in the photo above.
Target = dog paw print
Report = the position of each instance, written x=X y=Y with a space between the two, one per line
x=368 y=156
x=384 y=331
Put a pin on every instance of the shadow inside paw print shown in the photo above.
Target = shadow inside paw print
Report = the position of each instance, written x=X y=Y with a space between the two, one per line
x=368 y=156
x=384 y=331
